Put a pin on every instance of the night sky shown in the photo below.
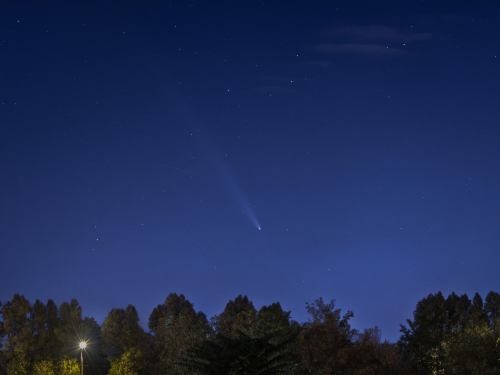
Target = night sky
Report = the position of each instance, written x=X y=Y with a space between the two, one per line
x=286 y=150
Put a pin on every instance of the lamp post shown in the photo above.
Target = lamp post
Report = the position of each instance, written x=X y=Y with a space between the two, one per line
x=83 y=345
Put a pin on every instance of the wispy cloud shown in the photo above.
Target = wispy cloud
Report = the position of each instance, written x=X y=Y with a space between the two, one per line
x=377 y=33
x=371 y=40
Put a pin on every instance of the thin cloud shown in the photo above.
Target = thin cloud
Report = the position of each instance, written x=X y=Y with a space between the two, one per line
x=371 y=40
x=377 y=33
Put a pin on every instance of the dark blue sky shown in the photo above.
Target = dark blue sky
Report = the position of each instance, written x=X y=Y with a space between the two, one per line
x=143 y=143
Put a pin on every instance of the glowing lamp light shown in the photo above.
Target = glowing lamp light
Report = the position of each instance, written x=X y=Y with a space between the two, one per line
x=83 y=345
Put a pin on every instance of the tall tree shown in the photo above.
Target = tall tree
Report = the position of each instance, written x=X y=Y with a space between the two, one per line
x=424 y=338
x=492 y=310
x=272 y=318
x=477 y=312
x=176 y=327
x=238 y=315
x=43 y=324
x=173 y=340
x=17 y=327
x=121 y=332
x=173 y=306
x=457 y=309
x=68 y=330
x=94 y=355
x=50 y=341
x=325 y=338
x=73 y=329
x=39 y=318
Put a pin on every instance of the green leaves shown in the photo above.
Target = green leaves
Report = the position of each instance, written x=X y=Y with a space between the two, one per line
x=132 y=362
x=453 y=336
x=472 y=350
x=40 y=339
x=456 y=335
x=45 y=368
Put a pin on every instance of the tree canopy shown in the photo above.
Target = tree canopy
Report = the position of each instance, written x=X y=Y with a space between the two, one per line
x=449 y=335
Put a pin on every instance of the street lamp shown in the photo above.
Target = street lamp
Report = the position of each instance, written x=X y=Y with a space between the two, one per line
x=83 y=345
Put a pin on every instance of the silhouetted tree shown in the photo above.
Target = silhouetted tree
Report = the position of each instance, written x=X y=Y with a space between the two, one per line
x=18 y=346
x=173 y=306
x=72 y=329
x=121 y=332
x=176 y=327
x=455 y=335
x=44 y=322
x=492 y=311
x=478 y=315
x=241 y=356
x=423 y=340
x=458 y=311
x=238 y=315
x=272 y=318
x=324 y=339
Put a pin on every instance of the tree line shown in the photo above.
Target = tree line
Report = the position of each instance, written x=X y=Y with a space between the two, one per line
x=453 y=335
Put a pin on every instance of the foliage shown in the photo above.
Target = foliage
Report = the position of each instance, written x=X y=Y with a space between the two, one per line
x=423 y=340
x=324 y=339
x=45 y=320
x=453 y=335
x=38 y=337
x=241 y=356
x=181 y=329
x=238 y=315
x=16 y=325
x=69 y=367
x=367 y=355
x=45 y=368
x=173 y=306
x=472 y=350
x=492 y=311
x=132 y=362
x=18 y=365
x=271 y=319
x=121 y=331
